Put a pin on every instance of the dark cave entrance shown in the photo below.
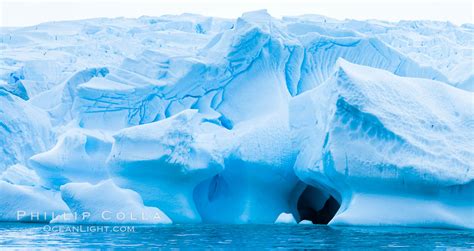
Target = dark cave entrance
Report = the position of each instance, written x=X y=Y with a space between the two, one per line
x=317 y=205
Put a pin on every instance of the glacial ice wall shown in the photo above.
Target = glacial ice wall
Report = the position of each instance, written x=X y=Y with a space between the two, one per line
x=201 y=119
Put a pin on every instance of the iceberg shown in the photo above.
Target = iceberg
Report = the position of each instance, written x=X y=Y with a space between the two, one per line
x=305 y=222
x=212 y=120
x=164 y=161
x=24 y=130
x=387 y=163
x=22 y=203
x=258 y=181
x=114 y=206
x=78 y=156
x=285 y=218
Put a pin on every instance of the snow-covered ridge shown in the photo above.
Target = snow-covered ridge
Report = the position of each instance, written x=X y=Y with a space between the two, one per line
x=202 y=119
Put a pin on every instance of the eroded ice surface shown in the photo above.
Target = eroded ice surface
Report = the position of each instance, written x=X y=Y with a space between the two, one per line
x=165 y=160
x=407 y=164
x=236 y=121
x=114 y=205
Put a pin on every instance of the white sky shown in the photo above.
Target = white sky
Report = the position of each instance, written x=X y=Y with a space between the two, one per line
x=31 y=12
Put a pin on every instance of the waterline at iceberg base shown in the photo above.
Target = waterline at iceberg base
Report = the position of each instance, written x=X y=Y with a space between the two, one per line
x=192 y=119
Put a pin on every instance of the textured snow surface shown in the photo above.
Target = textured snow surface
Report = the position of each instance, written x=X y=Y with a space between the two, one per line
x=204 y=119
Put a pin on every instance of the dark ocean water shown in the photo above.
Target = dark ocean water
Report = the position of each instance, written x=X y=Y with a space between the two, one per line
x=14 y=235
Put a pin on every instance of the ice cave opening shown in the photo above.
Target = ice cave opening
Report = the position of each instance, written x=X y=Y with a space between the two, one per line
x=317 y=205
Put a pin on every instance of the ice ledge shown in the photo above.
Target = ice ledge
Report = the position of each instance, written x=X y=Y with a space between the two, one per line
x=408 y=211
